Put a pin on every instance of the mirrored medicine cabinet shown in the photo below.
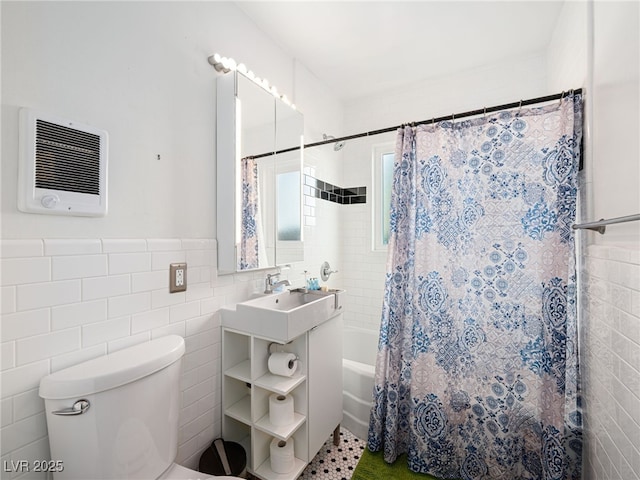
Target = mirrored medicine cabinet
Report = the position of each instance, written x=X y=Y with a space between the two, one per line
x=259 y=192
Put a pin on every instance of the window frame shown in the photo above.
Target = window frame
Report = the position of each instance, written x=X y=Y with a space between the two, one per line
x=378 y=151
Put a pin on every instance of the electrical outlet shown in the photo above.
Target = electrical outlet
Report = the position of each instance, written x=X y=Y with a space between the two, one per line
x=177 y=277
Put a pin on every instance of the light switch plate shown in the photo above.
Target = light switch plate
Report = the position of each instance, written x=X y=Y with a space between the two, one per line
x=177 y=277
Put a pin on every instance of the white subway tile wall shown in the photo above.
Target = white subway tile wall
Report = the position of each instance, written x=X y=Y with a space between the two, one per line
x=67 y=301
x=60 y=307
x=364 y=270
x=611 y=362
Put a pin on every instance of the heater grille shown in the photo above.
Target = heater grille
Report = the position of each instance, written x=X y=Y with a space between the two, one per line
x=63 y=166
x=66 y=159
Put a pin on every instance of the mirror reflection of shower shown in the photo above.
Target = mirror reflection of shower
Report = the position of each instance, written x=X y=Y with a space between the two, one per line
x=337 y=146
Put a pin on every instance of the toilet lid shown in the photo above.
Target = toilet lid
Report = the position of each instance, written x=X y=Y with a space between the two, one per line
x=178 y=472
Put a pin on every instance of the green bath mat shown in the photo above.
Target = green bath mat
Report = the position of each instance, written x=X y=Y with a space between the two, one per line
x=373 y=467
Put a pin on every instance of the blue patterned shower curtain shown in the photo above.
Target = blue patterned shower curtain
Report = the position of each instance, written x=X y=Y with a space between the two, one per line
x=477 y=368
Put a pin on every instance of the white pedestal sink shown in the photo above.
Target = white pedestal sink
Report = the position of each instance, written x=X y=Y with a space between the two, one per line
x=283 y=316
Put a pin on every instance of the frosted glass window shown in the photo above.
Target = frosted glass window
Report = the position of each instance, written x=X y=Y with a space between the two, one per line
x=387 y=179
x=289 y=201
x=383 y=155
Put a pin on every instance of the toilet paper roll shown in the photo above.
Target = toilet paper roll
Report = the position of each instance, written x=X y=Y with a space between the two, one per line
x=282 y=456
x=282 y=363
x=280 y=409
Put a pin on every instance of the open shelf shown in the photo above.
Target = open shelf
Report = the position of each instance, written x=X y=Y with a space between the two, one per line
x=279 y=384
x=241 y=410
x=283 y=432
x=241 y=371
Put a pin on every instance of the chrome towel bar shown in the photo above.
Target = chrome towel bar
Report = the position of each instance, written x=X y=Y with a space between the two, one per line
x=600 y=225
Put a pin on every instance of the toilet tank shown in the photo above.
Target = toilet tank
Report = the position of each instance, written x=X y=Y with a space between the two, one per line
x=130 y=429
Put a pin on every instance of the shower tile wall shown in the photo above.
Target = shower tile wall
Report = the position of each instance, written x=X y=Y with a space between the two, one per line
x=316 y=188
x=611 y=362
x=364 y=269
x=66 y=301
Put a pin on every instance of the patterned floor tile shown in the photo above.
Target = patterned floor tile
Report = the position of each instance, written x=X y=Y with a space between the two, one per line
x=335 y=463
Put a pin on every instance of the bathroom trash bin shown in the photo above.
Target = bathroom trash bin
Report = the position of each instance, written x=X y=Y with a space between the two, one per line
x=224 y=458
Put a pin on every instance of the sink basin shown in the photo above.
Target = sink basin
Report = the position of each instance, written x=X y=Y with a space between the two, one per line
x=284 y=316
x=284 y=302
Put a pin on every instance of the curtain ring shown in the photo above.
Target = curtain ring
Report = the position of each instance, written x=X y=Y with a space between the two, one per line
x=453 y=118
x=485 y=112
x=562 y=95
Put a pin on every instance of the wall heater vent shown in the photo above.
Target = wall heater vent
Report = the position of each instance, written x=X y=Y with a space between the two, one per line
x=63 y=166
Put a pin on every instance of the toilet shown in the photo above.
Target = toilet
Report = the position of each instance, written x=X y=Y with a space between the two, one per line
x=116 y=416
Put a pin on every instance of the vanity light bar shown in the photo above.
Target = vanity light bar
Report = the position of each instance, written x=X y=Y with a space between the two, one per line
x=226 y=65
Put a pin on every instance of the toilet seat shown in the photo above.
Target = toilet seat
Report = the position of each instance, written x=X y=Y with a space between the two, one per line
x=178 y=472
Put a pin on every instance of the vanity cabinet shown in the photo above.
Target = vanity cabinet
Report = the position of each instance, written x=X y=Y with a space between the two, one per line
x=325 y=382
x=316 y=388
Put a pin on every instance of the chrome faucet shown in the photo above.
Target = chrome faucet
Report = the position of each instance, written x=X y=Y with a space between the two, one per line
x=270 y=284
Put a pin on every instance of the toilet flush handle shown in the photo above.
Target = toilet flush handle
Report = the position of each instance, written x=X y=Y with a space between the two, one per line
x=78 y=408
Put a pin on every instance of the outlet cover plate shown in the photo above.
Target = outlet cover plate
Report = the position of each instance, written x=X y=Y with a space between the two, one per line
x=177 y=277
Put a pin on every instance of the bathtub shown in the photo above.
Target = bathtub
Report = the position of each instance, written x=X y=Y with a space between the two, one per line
x=358 y=365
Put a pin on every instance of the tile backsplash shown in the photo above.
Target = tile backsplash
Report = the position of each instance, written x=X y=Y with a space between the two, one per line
x=316 y=188
x=610 y=299
x=67 y=301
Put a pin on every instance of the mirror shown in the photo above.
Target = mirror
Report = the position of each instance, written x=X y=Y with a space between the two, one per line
x=259 y=192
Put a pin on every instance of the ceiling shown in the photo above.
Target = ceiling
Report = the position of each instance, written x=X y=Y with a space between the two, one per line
x=361 y=48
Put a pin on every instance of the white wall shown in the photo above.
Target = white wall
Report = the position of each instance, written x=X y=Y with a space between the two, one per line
x=597 y=45
x=604 y=53
x=74 y=288
x=616 y=117
x=140 y=71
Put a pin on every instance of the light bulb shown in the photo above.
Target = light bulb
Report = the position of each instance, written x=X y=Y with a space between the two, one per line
x=226 y=64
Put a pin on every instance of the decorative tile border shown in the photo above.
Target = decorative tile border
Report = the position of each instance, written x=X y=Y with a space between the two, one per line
x=332 y=193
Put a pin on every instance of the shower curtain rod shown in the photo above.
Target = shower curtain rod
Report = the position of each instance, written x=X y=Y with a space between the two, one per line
x=456 y=116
